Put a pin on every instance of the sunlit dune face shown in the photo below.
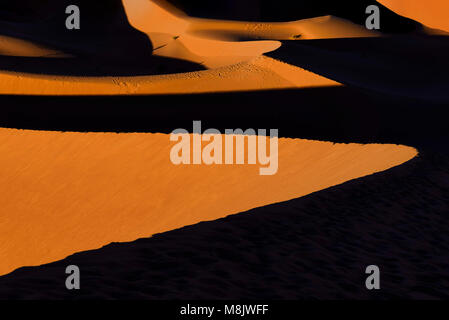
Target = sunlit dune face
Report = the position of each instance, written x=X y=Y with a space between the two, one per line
x=63 y=193
x=432 y=13
x=261 y=73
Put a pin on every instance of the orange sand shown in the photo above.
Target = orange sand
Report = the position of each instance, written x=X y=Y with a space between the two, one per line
x=258 y=74
x=63 y=193
x=432 y=13
x=234 y=65
x=216 y=43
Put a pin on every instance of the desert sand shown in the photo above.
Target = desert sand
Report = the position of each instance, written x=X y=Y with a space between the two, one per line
x=430 y=13
x=235 y=65
x=69 y=192
x=235 y=55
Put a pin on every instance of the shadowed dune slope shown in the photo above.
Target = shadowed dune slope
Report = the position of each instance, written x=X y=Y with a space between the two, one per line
x=105 y=45
x=105 y=30
x=111 y=191
x=394 y=65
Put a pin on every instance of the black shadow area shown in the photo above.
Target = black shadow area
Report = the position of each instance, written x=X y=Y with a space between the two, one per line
x=339 y=114
x=91 y=66
x=402 y=65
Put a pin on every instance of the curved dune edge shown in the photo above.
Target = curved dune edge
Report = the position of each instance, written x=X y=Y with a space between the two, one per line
x=261 y=73
x=432 y=13
x=64 y=193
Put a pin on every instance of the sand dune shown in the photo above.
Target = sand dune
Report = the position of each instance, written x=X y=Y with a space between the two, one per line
x=217 y=42
x=72 y=192
x=235 y=52
x=325 y=27
x=214 y=44
x=149 y=16
x=391 y=65
x=433 y=13
x=259 y=74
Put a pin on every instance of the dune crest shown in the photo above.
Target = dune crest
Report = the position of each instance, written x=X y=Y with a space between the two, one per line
x=433 y=13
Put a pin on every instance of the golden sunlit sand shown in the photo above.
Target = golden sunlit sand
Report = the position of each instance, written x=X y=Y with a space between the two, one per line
x=432 y=13
x=69 y=192
x=258 y=74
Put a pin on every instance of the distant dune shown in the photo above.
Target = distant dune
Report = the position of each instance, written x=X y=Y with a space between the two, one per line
x=235 y=52
x=432 y=13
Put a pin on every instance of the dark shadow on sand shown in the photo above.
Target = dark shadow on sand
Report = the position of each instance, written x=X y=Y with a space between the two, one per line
x=338 y=114
x=105 y=45
x=104 y=31
x=96 y=67
x=407 y=65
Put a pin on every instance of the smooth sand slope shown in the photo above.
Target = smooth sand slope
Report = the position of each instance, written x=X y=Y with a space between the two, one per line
x=432 y=13
x=68 y=192
x=258 y=74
